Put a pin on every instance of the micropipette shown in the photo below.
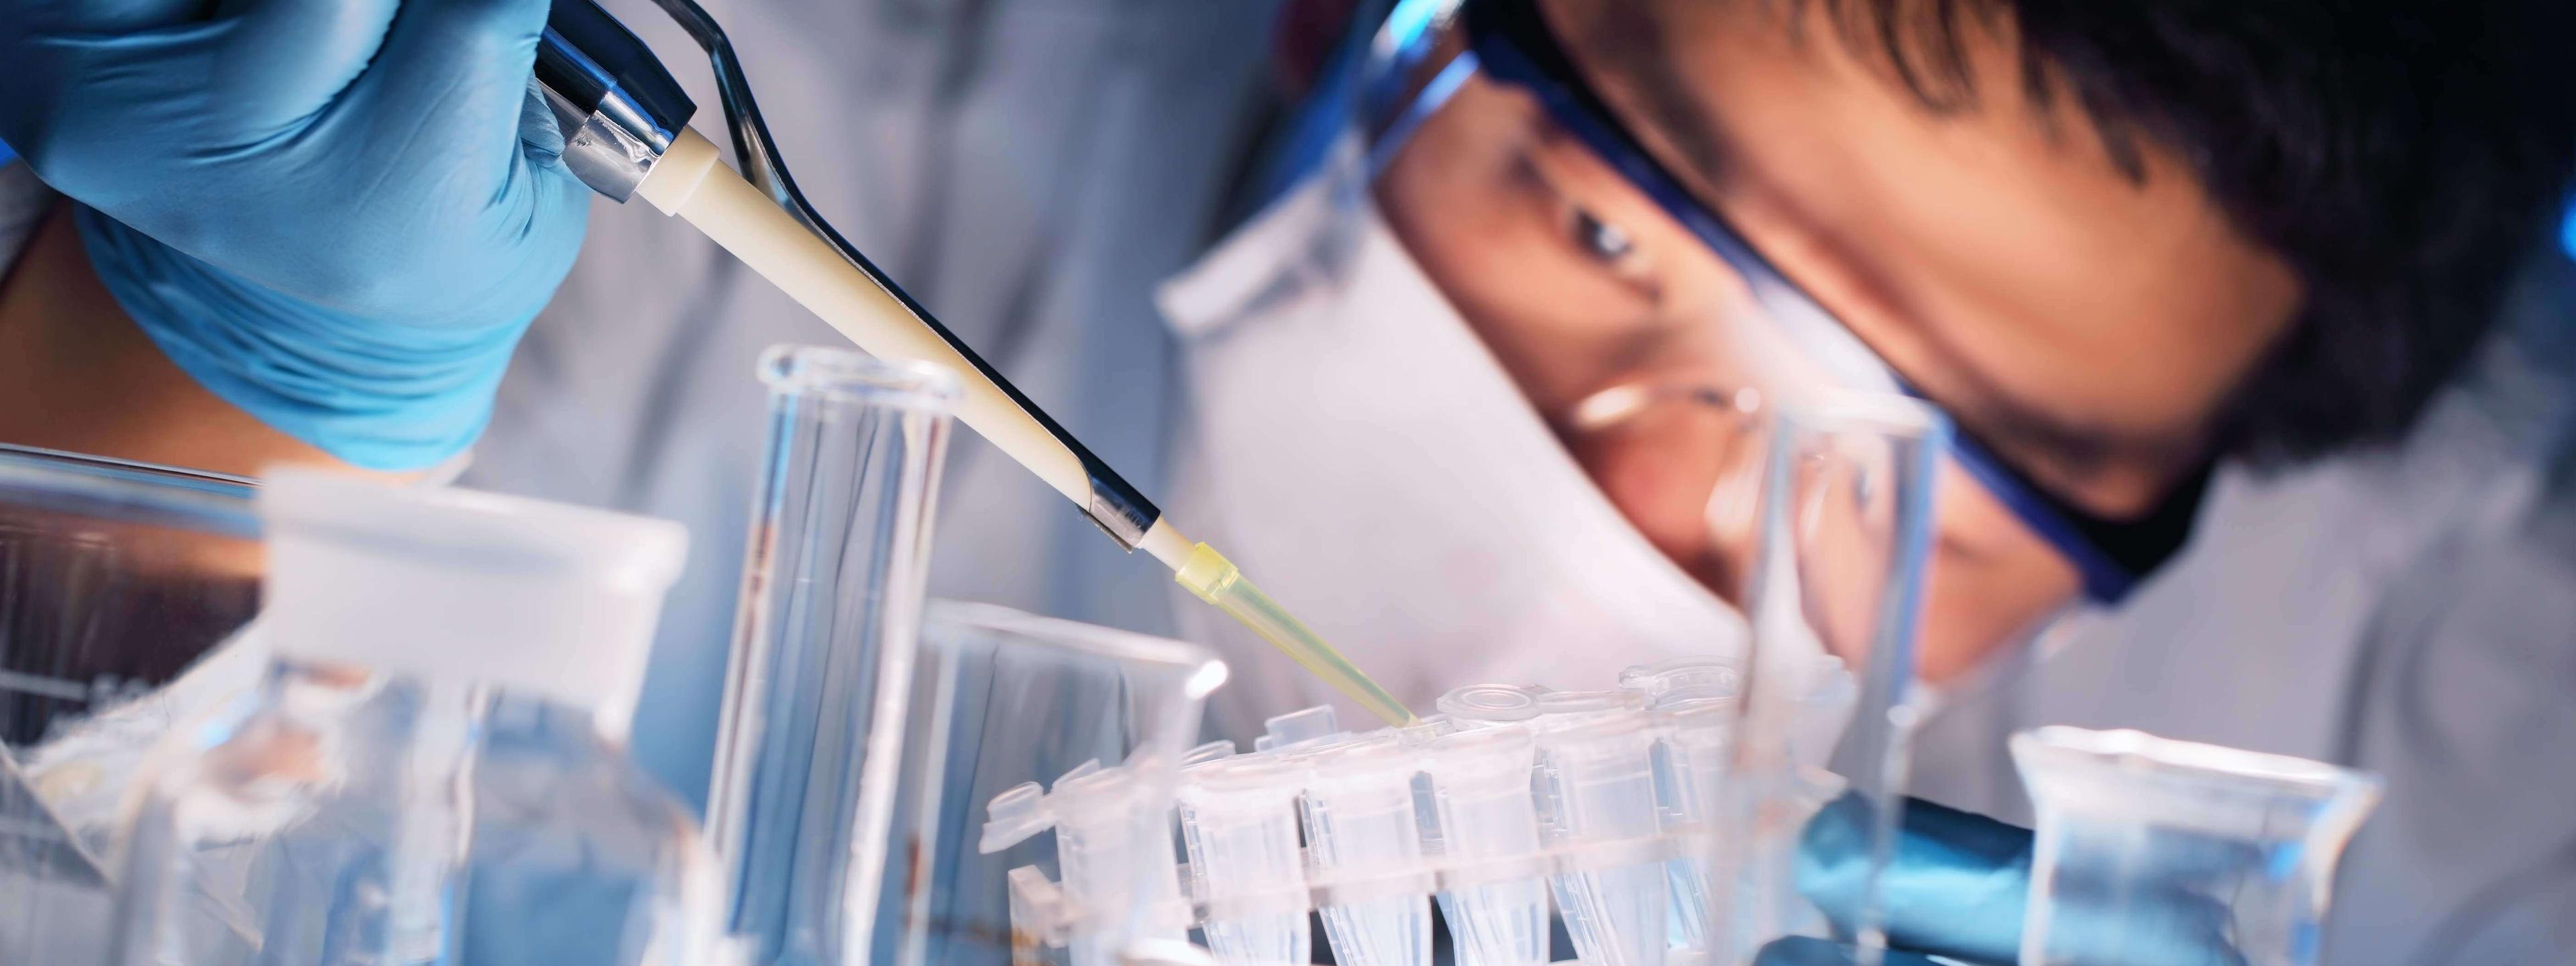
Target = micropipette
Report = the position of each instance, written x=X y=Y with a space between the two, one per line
x=625 y=131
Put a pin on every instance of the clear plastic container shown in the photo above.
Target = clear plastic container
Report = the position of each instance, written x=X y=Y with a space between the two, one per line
x=114 y=578
x=1239 y=825
x=1697 y=745
x=432 y=769
x=802 y=799
x=1496 y=904
x=1596 y=788
x=1690 y=678
x=1364 y=838
x=1845 y=530
x=2157 y=851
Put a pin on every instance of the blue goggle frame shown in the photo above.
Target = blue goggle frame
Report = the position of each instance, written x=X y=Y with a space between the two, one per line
x=1509 y=41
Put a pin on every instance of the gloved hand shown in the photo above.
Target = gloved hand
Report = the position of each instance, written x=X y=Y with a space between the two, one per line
x=338 y=215
x=1957 y=883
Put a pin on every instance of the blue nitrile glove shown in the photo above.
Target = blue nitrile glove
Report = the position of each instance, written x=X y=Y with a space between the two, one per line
x=338 y=215
x=1957 y=883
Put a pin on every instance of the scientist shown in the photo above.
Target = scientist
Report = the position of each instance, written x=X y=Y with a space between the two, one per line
x=2245 y=312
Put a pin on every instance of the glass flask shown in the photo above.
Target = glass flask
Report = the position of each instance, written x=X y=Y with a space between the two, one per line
x=1086 y=872
x=1843 y=536
x=2158 y=851
x=115 y=578
x=821 y=668
x=431 y=769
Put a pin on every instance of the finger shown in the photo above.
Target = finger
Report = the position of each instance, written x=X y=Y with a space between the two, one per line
x=286 y=62
x=481 y=50
x=1955 y=883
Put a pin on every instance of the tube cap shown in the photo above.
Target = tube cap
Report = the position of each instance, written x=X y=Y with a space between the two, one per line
x=538 y=598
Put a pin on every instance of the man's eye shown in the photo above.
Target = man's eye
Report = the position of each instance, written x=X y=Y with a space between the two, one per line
x=1607 y=242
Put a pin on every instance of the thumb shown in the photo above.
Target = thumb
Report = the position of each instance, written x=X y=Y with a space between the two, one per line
x=465 y=64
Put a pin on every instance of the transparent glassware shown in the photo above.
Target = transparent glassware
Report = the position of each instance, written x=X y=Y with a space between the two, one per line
x=2155 y=851
x=432 y=769
x=1833 y=593
x=115 y=578
x=811 y=739
x=1086 y=871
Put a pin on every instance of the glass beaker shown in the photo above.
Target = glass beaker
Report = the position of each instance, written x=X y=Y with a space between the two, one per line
x=115 y=577
x=820 y=673
x=1844 y=533
x=2156 y=851
x=1007 y=700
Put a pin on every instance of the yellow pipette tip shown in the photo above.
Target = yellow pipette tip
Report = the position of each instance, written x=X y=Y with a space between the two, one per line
x=1216 y=580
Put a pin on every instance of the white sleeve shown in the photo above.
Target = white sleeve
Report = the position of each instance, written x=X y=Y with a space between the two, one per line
x=2463 y=705
x=23 y=201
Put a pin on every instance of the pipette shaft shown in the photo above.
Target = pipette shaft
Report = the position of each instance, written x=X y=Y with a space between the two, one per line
x=688 y=182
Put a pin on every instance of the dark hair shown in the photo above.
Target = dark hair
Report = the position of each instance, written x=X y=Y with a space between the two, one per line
x=2404 y=157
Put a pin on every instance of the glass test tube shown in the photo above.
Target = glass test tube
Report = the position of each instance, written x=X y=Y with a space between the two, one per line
x=821 y=667
x=2157 y=851
x=1844 y=534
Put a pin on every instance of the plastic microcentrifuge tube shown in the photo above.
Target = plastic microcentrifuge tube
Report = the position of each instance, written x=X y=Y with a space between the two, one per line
x=1596 y=778
x=1303 y=728
x=1363 y=837
x=1113 y=852
x=1697 y=745
x=1239 y=823
x=2158 y=851
x=1696 y=697
x=812 y=733
x=1496 y=903
x=1683 y=679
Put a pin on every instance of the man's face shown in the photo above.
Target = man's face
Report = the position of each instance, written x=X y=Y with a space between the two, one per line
x=2083 y=322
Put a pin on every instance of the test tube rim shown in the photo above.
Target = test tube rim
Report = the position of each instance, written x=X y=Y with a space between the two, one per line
x=1202 y=671
x=849 y=375
x=1833 y=410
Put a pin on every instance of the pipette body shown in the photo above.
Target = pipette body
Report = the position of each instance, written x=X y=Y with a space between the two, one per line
x=626 y=135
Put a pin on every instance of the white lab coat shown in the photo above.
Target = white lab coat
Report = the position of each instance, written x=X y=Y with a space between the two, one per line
x=2410 y=612
x=1028 y=169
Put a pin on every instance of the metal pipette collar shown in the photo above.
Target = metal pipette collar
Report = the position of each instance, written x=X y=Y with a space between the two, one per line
x=619 y=110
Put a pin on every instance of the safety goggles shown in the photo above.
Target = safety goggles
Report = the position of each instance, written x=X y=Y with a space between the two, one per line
x=1509 y=42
